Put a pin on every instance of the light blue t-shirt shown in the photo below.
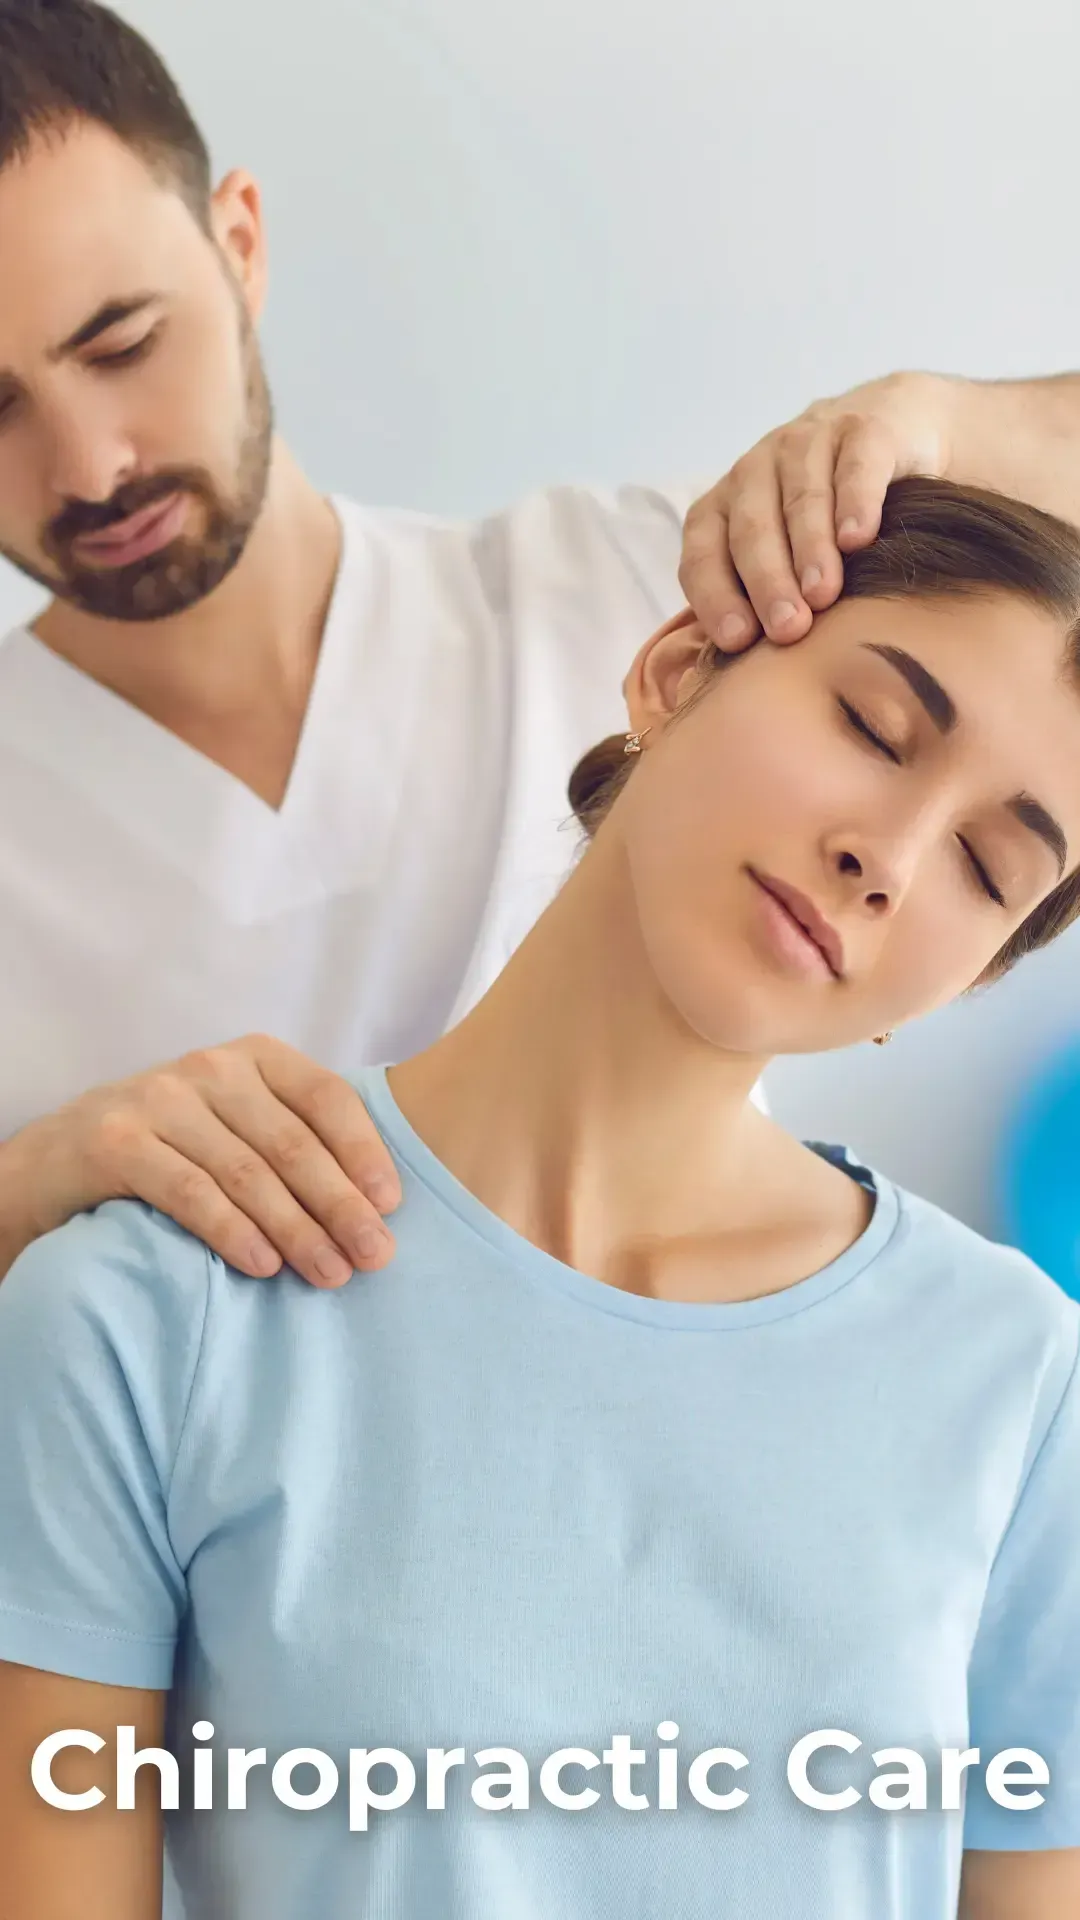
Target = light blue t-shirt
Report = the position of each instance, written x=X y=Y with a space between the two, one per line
x=481 y=1501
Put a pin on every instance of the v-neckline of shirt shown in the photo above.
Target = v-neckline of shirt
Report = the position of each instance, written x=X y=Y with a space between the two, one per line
x=195 y=813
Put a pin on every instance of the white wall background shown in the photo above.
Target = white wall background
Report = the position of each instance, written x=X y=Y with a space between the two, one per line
x=618 y=239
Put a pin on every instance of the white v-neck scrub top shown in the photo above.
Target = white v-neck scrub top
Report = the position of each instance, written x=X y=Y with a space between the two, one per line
x=482 y=1500
x=151 y=903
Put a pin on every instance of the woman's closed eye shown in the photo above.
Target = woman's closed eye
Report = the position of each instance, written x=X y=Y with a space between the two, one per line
x=860 y=725
x=985 y=882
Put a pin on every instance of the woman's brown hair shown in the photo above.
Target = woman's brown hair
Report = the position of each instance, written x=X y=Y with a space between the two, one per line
x=937 y=541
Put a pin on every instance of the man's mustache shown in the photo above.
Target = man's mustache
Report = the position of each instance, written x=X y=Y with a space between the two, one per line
x=85 y=516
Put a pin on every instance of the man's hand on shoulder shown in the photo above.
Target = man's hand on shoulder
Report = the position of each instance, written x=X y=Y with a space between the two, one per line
x=258 y=1151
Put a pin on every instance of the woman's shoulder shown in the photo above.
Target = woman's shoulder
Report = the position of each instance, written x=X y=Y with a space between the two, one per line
x=994 y=1291
x=122 y=1243
x=121 y=1281
x=105 y=1318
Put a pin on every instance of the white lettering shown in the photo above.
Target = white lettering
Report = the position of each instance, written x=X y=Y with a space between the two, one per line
x=909 y=1783
x=1000 y=1781
x=282 y=1782
x=514 y=1777
x=362 y=1798
x=439 y=1762
x=697 y=1778
x=954 y=1765
x=797 y=1776
x=128 y=1763
x=41 y=1770
x=240 y=1765
x=202 y=1767
x=552 y=1788
x=620 y=1757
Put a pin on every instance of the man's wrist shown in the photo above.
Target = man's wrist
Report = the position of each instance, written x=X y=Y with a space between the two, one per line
x=18 y=1228
x=925 y=415
x=1021 y=437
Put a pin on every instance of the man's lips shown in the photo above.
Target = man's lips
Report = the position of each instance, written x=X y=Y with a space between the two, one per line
x=807 y=918
x=141 y=533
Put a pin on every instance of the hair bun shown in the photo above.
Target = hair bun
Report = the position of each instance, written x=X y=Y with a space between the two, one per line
x=590 y=788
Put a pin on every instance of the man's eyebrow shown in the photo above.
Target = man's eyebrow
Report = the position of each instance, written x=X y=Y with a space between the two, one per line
x=109 y=315
x=941 y=709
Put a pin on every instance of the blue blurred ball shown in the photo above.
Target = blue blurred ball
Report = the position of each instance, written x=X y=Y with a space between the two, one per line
x=1040 y=1170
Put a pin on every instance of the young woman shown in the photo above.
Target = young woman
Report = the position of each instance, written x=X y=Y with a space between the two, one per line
x=686 y=1523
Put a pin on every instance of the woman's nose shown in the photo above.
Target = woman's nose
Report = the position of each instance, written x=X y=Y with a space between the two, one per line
x=874 y=871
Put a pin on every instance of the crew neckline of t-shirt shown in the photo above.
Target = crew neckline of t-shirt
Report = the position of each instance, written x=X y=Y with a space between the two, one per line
x=544 y=1269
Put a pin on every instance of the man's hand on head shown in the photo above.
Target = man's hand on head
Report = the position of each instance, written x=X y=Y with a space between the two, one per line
x=267 y=1157
x=762 y=550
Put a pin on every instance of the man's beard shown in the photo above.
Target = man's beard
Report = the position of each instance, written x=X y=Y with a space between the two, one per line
x=186 y=570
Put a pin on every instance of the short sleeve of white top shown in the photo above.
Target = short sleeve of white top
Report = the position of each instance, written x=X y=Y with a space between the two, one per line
x=152 y=903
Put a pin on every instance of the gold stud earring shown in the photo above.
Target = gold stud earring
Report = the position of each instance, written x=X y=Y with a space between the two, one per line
x=634 y=740
x=882 y=1039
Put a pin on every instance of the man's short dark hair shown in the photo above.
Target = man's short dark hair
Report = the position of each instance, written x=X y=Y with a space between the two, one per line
x=62 y=61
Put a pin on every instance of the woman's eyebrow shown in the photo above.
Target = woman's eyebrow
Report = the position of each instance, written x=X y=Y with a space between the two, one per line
x=941 y=709
x=1031 y=813
x=929 y=692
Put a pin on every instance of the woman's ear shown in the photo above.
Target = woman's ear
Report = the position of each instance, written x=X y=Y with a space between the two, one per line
x=664 y=671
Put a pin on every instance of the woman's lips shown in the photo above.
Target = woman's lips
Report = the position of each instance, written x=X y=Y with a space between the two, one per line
x=788 y=938
x=132 y=539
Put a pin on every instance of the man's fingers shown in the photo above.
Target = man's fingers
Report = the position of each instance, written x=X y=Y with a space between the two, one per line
x=270 y=1164
x=169 y=1181
x=780 y=521
x=294 y=1225
x=336 y=1115
x=760 y=550
x=866 y=463
x=805 y=458
x=207 y=1142
x=709 y=580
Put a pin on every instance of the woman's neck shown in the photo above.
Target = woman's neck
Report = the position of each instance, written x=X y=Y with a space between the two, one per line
x=576 y=1105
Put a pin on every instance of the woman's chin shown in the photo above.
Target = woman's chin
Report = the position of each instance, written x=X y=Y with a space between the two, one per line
x=746 y=1019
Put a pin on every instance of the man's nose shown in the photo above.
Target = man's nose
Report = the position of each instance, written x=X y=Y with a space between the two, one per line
x=89 y=455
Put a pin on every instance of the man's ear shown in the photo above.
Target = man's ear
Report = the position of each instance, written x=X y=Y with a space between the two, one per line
x=664 y=670
x=237 y=221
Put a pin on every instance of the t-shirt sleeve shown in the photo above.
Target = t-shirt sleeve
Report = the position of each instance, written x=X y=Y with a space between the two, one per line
x=100 y=1331
x=642 y=527
x=599 y=564
x=1024 y=1680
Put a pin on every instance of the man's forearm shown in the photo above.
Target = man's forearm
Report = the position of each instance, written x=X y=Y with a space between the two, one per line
x=1021 y=437
x=17 y=1227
